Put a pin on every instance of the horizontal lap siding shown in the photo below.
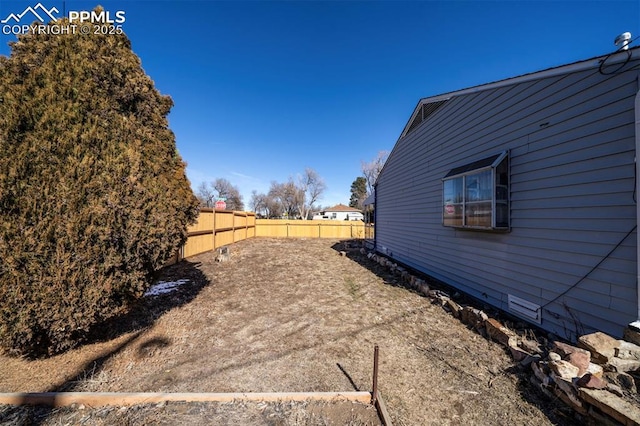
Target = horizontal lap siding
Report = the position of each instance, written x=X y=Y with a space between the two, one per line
x=572 y=146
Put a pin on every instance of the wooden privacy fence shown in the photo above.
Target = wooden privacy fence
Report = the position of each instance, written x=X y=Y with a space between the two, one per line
x=282 y=228
x=369 y=231
x=217 y=228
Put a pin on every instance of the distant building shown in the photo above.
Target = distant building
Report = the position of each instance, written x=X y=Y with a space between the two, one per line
x=339 y=212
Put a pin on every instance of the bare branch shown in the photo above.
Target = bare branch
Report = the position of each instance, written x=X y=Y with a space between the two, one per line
x=371 y=170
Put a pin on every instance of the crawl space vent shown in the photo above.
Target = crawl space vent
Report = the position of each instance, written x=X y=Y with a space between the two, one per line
x=525 y=309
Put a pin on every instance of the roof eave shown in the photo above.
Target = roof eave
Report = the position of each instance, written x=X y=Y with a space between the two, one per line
x=596 y=62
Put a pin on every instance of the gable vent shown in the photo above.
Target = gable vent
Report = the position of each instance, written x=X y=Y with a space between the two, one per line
x=424 y=113
x=525 y=309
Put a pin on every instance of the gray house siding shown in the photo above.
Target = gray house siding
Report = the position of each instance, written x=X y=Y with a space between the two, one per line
x=571 y=142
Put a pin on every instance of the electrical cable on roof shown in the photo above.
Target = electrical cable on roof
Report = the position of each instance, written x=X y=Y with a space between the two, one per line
x=625 y=48
x=600 y=69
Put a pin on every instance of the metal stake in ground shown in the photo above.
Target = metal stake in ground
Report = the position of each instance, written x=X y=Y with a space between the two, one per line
x=374 y=393
x=376 y=399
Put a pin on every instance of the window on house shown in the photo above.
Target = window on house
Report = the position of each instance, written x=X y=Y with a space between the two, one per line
x=476 y=195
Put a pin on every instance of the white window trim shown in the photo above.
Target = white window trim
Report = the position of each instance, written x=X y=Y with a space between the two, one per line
x=494 y=164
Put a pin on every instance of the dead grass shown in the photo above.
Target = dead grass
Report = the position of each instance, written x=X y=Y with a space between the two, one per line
x=287 y=315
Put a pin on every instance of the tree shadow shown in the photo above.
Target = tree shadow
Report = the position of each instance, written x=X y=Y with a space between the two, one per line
x=138 y=319
x=144 y=313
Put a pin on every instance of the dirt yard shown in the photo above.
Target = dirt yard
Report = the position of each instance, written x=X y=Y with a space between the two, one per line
x=286 y=315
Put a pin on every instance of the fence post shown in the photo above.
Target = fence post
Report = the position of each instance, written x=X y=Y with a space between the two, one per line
x=214 y=229
x=246 y=226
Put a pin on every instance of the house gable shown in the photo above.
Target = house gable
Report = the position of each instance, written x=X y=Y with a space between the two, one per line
x=570 y=134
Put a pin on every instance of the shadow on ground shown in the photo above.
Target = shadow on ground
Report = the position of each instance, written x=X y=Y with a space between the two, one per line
x=352 y=249
x=147 y=310
x=142 y=315
x=557 y=412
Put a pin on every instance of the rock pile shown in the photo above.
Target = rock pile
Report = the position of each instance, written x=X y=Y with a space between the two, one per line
x=598 y=377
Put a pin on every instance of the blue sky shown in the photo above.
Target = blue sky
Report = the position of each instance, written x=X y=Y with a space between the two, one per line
x=264 y=89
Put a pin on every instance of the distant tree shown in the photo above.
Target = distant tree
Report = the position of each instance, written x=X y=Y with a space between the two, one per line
x=206 y=195
x=310 y=188
x=288 y=196
x=358 y=193
x=294 y=199
x=265 y=205
x=257 y=203
x=230 y=193
x=371 y=170
x=93 y=193
x=220 y=188
x=273 y=208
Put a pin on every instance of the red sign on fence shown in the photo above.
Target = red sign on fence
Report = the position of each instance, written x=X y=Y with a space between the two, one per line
x=221 y=205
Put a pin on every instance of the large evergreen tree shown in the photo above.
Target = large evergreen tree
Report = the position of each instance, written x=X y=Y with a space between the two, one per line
x=358 y=193
x=93 y=193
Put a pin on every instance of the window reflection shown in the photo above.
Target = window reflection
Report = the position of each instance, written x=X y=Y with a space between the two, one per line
x=478 y=198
